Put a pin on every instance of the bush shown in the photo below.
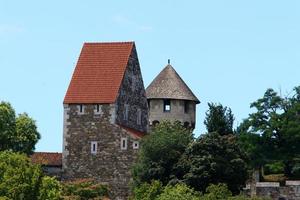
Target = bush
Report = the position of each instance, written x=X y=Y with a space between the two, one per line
x=19 y=178
x=274 y=168
x=148 y=191
x=217 y=192
x=50 y=189
x=84 y=189
x=179 y=192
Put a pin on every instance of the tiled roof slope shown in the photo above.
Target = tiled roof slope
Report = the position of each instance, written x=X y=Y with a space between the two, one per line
x=169 y=85
x=46 y=158
x=99 y=72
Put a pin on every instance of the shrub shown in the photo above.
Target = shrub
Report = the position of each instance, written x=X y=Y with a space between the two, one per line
x=148 y=191
x=179 y=192
x=50 y=189
x=84 y=189
x=217 y=192
x=19 y=178
x=274 y=168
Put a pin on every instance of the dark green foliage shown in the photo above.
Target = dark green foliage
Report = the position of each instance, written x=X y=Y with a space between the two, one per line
x=160 y=151
x=214 y=159
x=274 y=168
x=219 y=119
x=84 y=189
x=273 y=130
x=17 y=133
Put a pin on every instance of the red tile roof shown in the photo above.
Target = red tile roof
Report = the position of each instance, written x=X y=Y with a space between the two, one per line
x=99 y=72
x=134 y=132
x=46 y=158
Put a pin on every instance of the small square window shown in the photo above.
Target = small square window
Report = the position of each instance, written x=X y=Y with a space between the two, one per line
x=136 y=145
x=123 y=143
x=94 y=146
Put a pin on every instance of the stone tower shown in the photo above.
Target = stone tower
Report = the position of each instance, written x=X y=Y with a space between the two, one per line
x=105 y=115
x=169 y=98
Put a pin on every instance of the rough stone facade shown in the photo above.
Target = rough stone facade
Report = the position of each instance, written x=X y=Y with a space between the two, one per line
x=176 y=113
x=94 y=139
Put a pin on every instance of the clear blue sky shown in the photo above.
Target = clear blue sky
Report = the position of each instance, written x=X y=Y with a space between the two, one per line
x=226 y=51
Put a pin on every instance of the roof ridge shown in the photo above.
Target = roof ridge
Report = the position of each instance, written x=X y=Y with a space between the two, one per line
x=112 y=42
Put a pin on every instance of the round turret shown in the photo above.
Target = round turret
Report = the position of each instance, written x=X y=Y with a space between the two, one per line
x=169 y=98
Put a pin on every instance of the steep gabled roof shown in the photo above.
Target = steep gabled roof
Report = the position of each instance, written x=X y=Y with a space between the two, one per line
x=169 y=85
x=47 y=158
x=99 y=72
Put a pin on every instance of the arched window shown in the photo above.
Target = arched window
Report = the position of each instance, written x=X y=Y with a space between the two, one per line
x=155 y=122
x=186 y=124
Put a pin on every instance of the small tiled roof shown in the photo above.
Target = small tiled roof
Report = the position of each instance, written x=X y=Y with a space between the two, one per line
x=99 y=72
x=133 y=132
x=169 y=85
x=47 y=158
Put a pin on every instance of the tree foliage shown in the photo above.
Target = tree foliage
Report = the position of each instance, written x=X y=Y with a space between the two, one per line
x=219 y=119
x=160 y=151
x=17 y=133
x=214 y=159
x=273 y=129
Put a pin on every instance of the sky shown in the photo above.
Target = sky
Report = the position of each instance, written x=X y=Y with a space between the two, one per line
x=227 y=52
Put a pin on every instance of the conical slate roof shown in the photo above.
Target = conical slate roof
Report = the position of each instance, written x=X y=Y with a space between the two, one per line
x=169 y=85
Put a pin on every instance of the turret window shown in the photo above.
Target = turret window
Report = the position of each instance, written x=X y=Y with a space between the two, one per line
x=167 y=105
x=186 y=106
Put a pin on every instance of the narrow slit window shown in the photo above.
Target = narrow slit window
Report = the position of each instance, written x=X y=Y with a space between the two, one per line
x=98 y=108
x=123 y=143
x=186 y=106
x=94 y=147
x=139 y=116
x=167 y=105
x=126 y=110
x=80 y=109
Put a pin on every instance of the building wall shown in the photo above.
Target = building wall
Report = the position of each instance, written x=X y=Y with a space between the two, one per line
x=132 y=93
x=110 y=165
x=156 y=111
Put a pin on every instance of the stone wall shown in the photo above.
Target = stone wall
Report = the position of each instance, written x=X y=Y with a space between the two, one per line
x=157 y=113
x=109 y=165
x=273 y=190
x=132 y=93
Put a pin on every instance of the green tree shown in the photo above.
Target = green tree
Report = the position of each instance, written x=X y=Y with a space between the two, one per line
x=273 y=129
x=19 y=178
x=160 y=151
x=217 y=192
x=26 y=134
x=219 y=119
x=214 y=159
x=50 y=189
x=7 y=125
x=17 y=133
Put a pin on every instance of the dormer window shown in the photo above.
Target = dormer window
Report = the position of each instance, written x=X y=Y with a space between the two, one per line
x=167 y=105
x=80 y=109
